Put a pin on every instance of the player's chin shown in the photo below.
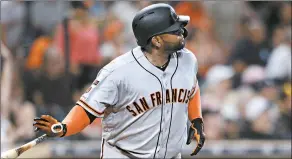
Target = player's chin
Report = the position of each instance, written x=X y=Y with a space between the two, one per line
x=178 y=47
x=182 y=44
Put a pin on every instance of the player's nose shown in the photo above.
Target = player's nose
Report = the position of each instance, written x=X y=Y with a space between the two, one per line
x=181 y=33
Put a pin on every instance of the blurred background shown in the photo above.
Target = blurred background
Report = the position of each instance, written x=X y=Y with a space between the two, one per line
x=52 y=50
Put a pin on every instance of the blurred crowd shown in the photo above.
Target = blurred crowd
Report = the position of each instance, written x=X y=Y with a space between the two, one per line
x=243 y=50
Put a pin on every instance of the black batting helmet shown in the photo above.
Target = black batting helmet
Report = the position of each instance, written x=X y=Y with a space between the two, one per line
x=157 y=19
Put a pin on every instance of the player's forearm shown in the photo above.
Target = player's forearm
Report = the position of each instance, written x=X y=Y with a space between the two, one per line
x=194 y=108
x=76 y=120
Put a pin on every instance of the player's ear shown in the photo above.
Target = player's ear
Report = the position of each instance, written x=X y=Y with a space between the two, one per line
x=155 y=42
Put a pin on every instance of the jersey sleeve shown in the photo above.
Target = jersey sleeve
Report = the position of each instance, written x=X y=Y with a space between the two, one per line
x=195 y=68
x=194 y=89
x=102 y=93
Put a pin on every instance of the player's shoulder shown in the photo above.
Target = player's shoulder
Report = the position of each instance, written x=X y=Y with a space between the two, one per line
x=187 y=56
x=120 y=62
x=116 y=66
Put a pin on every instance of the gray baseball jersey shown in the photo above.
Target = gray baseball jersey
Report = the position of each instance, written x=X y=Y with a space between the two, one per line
x=144 y=109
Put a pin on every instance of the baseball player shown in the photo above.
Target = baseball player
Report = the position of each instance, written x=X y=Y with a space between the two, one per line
x=146 y=96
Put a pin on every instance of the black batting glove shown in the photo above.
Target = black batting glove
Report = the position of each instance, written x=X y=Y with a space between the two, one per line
x=45 y=123
x=196 y=131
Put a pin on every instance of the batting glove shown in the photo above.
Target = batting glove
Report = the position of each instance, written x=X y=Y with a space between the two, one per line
x=50 y=126
x=196 y=131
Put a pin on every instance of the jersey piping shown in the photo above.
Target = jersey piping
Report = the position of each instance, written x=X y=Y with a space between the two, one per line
x=171 y=106
x=161 y=97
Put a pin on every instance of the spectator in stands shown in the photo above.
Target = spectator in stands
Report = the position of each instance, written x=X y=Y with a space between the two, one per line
x=261 y=112
x=252 y=74
x=285 y=14
x=250 y=50
x=218 y=80
x=35 y=58
x=283 y=126
x=142 y=4
x=234 y=102
x=40 y=10
x=226 y=17
x=33 y=64
x=278 y=36
x=55 y=88
x=6 y=75
x=233 y=110
x=272 y=14
x=198 y=14
x=113 y=42
x=12 y=23
x=12 y=101
x=6 y=88
x=97 y=9
x=129 y=10
x=202 y=41
x=213 y=129
x=216 y=89
x=84 y=42
x=207 y=51
x=279 y=63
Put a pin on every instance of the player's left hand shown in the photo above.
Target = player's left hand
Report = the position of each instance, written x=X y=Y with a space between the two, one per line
x=196 y=131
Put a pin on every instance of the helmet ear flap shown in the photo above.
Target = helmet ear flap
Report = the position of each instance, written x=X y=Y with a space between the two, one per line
x=185 y=34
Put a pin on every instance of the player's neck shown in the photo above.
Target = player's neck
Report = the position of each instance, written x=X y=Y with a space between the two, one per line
x=157 y=58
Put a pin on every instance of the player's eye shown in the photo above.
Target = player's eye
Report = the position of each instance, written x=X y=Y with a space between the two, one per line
x=177 y=32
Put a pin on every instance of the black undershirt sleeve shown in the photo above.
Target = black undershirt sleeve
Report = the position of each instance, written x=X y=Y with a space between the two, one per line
x=90 y=116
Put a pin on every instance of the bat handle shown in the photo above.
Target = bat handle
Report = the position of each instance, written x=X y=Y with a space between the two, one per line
x=32 y=143
x=40 y=139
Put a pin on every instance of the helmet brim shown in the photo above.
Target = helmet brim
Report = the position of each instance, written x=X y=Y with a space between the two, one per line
x=184 y=19
x=181 y=22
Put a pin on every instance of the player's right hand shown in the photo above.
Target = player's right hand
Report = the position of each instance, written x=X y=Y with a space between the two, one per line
x=45 y=123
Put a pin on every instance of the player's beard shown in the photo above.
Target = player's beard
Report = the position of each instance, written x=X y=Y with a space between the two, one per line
x=171 y=47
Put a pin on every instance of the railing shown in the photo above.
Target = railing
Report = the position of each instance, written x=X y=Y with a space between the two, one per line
x=212 y=149
x=243 y=149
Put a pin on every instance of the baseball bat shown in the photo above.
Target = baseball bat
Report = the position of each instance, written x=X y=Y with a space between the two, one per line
x=14 y=153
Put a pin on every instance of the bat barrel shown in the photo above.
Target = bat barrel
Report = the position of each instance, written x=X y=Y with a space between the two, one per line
x=9 y=154
x=14 y=153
